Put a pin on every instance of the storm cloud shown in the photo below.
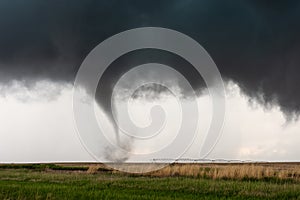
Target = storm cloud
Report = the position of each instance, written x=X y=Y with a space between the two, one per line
x=254 y=43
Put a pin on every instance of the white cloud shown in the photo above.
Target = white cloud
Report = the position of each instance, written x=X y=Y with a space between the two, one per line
x=42 y=129
x=39 y=129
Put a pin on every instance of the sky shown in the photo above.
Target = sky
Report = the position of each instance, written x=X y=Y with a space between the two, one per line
x=255 y=45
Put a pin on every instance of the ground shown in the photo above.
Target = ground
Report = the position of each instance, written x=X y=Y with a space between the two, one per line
x=178 y=181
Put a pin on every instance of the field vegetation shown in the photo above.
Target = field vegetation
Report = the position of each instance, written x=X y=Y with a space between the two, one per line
x=177 y=181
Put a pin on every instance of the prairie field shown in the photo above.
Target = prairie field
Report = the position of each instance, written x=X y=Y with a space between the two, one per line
x=176 y=181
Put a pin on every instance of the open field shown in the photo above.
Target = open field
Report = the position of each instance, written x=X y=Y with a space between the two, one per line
x=177 y=181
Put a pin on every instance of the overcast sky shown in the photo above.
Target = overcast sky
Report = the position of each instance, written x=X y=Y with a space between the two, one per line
x=35 y=128
x=255 y=45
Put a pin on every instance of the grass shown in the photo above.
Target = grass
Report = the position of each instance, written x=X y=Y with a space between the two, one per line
x=266 y=171
x=173 y=182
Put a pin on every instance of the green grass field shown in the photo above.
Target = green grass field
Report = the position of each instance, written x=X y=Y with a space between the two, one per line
x=59 y=182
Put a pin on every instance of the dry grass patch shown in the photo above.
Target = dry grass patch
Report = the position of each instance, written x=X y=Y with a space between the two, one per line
x=232 y=171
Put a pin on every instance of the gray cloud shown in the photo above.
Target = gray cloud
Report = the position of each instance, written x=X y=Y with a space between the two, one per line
x=254 y=43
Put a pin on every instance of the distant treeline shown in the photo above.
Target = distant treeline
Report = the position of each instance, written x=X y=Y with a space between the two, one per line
x=43 y=167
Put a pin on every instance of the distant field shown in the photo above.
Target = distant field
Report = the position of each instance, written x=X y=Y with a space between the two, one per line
x=177 y=181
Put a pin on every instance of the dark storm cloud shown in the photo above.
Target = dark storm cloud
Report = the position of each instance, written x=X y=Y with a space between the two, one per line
x=254 y=43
